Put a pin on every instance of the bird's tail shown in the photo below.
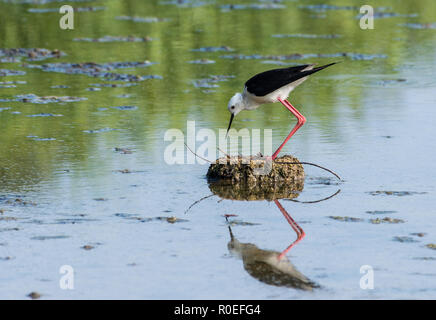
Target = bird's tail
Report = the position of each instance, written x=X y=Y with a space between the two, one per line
x=324 y=66
x=310 y=71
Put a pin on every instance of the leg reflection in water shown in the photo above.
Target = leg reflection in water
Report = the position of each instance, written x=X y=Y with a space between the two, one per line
x=300 y=233
x=270 y=267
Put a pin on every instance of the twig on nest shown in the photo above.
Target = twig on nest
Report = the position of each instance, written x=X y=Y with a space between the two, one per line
x=197 y=154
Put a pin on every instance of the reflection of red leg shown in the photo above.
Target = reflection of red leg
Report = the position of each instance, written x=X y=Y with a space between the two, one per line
x=300 y=233
x=301 y=120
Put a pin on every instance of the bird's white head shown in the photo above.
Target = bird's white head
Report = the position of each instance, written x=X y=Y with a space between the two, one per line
x=236 y=104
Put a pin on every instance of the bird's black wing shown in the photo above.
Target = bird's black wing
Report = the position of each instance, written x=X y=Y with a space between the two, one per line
x=266 y=82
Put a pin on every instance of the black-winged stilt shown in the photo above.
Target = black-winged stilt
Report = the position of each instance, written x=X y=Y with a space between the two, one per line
x=272 y=86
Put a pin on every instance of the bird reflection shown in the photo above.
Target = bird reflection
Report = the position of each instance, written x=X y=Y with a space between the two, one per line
x=271 y=267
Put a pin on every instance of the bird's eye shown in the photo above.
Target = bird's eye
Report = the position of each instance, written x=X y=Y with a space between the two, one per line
x=232 y=107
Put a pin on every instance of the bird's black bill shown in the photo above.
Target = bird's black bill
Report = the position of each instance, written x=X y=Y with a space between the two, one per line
x=230 y=124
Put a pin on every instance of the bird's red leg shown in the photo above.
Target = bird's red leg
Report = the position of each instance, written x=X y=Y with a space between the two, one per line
x=300 y=233
x=301 y=120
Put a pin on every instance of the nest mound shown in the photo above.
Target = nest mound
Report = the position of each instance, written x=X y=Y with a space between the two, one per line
x=245 y=178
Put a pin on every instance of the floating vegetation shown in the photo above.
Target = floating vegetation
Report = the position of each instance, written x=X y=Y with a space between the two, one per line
x=123 y=150
x=93 y=89
x=125 y=108
x=10 y=60
x=326 y=7
x=41 y=1
x=214 y=49
x=346 y=219
x=76 y=9
x=235 y=222
x=307 y=36
x=380 y=212
x=405 y=239
x=255 y=6
x=34 y=295
x=98 y=70
x=327 y=181
x=385 y=220
x=382 y=15
x=43 y=238
x=10 y=84
x=418 y=234
x=45 y=115
x=431 y=246
x=7 y=72
x=100 y=130
x=419 y=25
x=33 y=54
x=299 y=56
x=210 y=82
x=113 y=85
x=390 y=82
x=36 y=138
x=33 y=98
x=115 y=39
x=395 y=193
x=142 y=19
x=170 y=219
x=202 y=61
x=425 y=258
x=6 y=218
x=187 y=3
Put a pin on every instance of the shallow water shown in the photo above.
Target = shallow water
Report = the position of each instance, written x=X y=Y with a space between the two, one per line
x=370 y=119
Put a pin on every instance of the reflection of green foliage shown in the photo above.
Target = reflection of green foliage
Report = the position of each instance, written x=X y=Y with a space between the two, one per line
x=247 y=31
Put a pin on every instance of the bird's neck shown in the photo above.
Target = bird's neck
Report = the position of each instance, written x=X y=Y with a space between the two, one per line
x=249 y=102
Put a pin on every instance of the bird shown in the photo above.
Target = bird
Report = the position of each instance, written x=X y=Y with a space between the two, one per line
x=273 y=86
